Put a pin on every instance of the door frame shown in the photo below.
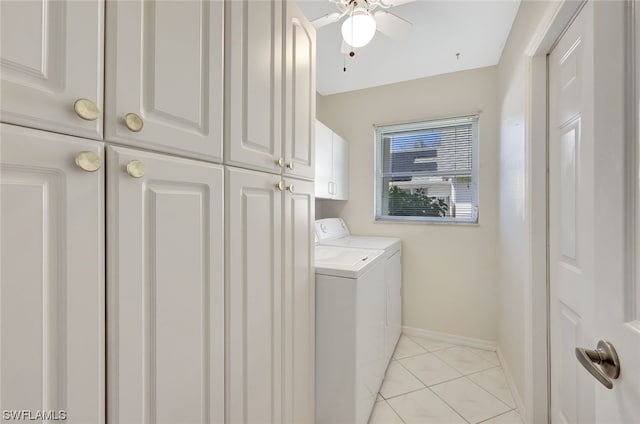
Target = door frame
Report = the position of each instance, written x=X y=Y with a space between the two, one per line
x=557 y=18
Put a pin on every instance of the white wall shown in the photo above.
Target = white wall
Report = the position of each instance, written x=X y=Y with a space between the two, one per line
x=450 y=271
x=515 y=291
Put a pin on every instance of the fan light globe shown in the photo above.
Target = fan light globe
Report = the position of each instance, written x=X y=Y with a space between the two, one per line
x=358 y=29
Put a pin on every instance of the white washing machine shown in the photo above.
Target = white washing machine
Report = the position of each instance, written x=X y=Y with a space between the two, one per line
x=334 y=232
x=349 y=333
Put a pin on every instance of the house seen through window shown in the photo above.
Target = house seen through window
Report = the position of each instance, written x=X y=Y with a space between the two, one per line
x=427 y=171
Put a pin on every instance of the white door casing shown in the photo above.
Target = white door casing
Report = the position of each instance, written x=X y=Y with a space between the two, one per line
x=254 y=296
x=165 y=289
x=52 y=55
x=253 y=92
x=165 y=64
x=588 y=211
x=51 y=276
x=300 y=93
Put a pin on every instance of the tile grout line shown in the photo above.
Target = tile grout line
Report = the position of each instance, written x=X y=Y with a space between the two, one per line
x=450 y=406
x=499 y=415
x=395 y=412
x=492 y=394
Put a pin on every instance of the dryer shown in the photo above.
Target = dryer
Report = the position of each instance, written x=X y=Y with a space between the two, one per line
x=334 y=232
x=349 y=333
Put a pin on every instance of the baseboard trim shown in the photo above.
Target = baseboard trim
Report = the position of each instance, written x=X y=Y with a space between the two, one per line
x=512 y=385
x=450 y=338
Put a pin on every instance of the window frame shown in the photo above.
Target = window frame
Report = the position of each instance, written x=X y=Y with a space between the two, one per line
x=380 y=129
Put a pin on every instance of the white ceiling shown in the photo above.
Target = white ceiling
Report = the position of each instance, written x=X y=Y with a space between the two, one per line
x=476 y=29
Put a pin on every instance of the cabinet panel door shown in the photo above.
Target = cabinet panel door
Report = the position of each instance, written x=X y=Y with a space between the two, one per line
x=51 y=55
x=165 y=289
x=299 y=303
x=340 y=168
x=164 y=63
x=254 y=296
x=253 y=136
x=51 y=276
x=324 y=161
x=300 y=92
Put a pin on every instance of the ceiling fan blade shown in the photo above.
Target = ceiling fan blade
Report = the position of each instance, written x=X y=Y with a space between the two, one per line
x=327 y=19
x=394 y=3
x=392 y=26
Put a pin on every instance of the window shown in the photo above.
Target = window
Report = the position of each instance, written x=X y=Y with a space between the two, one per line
x=427 y=171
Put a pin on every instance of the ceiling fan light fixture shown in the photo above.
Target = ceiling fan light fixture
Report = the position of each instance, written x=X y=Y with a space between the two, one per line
x=358 y=29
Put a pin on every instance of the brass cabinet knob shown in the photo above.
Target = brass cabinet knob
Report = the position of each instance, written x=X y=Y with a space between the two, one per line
x=290 y=188
x=290 y=165
x=280 y=163
x=86 y=109
x=280 y=186
x=136 y=169
x=88 y=161
x=133 y=122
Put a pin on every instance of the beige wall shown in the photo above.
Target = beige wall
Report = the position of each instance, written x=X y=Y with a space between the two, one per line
x=450 y=272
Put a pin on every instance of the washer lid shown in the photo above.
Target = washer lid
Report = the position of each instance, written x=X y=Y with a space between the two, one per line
x=389 y=244
x=344 y=261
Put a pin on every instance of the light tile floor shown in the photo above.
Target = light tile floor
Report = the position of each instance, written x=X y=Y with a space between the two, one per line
x=430 y=382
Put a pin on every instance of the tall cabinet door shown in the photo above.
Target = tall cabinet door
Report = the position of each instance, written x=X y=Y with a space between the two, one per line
x=299 y=302
x=165 y=258
x=165 y=76
x=52 y=61
x=254 y=297
x=253 y=134
x=300 y=89
x=51 y=275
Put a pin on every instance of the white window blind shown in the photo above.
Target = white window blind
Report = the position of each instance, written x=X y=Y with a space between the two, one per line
x=427 y=171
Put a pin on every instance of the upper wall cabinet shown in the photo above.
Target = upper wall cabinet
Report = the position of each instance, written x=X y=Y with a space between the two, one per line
x=253 y=136
x=332 y=164
x=300 y=89
x=270 y=91
x=165 y=76
x=51 y=65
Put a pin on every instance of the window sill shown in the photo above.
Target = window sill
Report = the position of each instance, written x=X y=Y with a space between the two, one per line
x=418 y=220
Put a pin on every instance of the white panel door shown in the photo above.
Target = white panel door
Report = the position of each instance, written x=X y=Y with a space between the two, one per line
x=592 y=280
x=300 y=89
x=254 y=297
x=51 y=54
x=324 y=161
x=340 y=168
x=165 y=289
x=299 y=302
x=165 y=65
x=51 y=278
x=253 y=64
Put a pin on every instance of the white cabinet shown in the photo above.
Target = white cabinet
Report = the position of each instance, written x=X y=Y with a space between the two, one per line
x=253 y=63
x=340 y=180
x=164 y=88
x=270 y=293
x=51 y=56
x=332 y=164
x=299 y=302
x=165 y=289
x=270 y=68
x=300 y=93
x=51 y=275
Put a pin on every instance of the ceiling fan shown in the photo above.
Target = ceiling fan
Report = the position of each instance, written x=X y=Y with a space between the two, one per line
x=364 y=17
